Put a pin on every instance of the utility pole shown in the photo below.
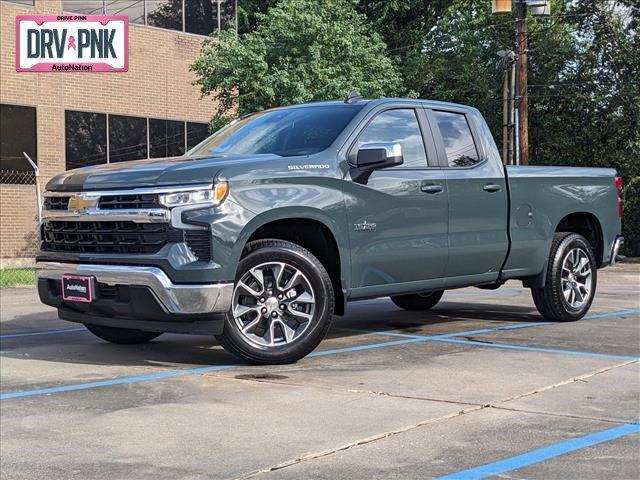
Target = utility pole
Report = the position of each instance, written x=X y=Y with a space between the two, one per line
x=508 y=59
x=522 y=69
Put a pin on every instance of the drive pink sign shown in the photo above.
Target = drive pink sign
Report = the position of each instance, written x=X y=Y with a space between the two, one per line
x=72 y=43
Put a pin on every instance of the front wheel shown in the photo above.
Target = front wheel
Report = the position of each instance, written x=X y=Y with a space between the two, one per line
x=418 y=301
x=282 y=304
x=124 y=336
x=571 y=279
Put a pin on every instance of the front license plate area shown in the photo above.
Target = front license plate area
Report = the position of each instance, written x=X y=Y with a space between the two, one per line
x=77 y=288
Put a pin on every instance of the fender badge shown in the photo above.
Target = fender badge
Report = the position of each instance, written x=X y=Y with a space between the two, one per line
x=365 y=227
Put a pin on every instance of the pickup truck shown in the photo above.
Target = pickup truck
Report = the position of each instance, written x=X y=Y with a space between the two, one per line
x=264 y=231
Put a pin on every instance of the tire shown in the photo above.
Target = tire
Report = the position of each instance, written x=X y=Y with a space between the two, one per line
x=552 y=301
x=122 y=336
x=262 y=328
x=418 y=301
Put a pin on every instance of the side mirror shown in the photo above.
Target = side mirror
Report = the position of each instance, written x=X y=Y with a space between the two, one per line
x=373 y=156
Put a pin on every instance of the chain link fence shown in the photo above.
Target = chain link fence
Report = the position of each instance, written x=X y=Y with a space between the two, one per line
x=19 y=225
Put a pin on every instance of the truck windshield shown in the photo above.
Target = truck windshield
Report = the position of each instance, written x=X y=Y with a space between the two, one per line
x=286 y=132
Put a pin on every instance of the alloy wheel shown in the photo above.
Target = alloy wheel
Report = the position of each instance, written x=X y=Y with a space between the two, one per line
x=576 y=278
x=273 y=304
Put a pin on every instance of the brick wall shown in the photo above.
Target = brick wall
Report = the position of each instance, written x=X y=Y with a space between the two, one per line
x=158 y=84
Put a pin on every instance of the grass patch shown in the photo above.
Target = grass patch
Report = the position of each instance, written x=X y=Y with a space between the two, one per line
x=16 y=277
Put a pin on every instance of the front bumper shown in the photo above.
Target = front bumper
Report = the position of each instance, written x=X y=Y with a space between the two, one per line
x=178 y=299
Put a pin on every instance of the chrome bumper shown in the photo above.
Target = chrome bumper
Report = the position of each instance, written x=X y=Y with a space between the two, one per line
x=179 y=299
x=615 y=249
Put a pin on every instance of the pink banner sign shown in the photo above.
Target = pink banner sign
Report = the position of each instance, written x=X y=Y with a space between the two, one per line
x=72 y=43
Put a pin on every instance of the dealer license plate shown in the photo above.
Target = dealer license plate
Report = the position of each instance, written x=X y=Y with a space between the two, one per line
x=77 y=288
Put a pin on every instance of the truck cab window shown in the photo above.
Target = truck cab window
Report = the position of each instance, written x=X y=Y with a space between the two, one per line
x=458 y=142
x=398 y=126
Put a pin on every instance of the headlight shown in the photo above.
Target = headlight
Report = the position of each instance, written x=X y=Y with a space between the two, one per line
x=213 y=196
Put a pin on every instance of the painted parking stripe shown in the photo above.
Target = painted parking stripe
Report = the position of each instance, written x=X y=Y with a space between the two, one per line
x=493 y=293
x=193 y=371
x=186 y=371
x=115 y=381
x=45 y=332
x=531 y=349
x=619 y=313
x=543 y=454
x=449 y=337
x=75 y=330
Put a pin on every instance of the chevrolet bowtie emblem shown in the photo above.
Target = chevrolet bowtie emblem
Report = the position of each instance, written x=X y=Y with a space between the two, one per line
x=78 y=203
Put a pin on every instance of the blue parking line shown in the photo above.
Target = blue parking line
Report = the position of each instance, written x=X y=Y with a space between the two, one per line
x=406 y=339
x=45 y=332
x=530 y=349
x=543 y=454
x=115 y=381
x=492 y=293
x=186 y=371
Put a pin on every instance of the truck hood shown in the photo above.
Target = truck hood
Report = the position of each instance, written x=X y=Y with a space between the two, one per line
x=151 y=173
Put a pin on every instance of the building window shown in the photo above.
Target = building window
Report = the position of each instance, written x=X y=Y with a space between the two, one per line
x=196 y=132
x=85 y=7
x=133 y=8
x=201 y=17
x=95 y=138
x=85 y=139
x=17 y=135
x=165 y=14
x=23 y=2
x=166 y=138
x=127 y=138
x=458 y=141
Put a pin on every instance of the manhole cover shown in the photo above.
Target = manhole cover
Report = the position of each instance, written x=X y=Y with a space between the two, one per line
x=260 y=376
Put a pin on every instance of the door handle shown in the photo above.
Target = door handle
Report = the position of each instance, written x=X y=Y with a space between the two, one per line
x=492 y=187
x=431 y=188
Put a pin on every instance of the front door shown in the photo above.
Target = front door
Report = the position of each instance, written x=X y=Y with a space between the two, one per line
x=398 y=221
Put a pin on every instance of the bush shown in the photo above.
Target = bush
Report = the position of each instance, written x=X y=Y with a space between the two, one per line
x=631 y=218
x=14 y=277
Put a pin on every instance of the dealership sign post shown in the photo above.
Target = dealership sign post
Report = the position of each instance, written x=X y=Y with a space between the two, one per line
x=72 y=43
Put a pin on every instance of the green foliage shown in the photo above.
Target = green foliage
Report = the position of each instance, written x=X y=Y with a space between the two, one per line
x=17 y=277
x=300 y=51
x=631 y=217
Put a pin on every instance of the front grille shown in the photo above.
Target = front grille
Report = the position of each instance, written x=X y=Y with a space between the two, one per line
x=56 y=203
x=200 y=244
x=134 y=201
x=121 y=237
x=106 y=237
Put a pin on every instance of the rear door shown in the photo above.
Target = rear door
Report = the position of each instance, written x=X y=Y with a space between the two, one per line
x=477 y=198
x=398 y=221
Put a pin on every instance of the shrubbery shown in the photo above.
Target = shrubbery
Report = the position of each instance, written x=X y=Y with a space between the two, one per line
x=631 y=220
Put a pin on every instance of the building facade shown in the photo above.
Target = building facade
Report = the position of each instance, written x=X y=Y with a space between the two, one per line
x=65 y=120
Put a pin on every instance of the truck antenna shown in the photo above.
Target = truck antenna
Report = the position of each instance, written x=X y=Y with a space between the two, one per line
x=353 y=97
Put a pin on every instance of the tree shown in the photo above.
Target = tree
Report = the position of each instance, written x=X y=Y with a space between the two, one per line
x=300 y=51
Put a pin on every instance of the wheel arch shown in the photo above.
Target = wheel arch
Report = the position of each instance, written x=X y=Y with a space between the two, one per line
x=310 y=229
x=583 y=223
x=587 y=225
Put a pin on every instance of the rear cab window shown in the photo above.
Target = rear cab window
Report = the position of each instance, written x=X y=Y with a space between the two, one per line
x=460 y=148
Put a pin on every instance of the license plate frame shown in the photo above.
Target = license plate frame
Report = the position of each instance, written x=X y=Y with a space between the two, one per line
x=78 y=288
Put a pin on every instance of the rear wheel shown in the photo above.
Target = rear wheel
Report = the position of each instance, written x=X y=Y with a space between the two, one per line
x=282 y=304
x=121 y=335
x=418 y=301
x=571 y=279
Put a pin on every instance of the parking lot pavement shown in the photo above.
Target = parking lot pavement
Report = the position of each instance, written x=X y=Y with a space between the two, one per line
x=479 y=386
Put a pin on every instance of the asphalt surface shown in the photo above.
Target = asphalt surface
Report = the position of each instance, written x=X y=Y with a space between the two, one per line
x=478 y=387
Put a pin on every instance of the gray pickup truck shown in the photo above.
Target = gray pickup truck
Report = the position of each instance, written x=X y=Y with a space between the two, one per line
x=264 y=231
